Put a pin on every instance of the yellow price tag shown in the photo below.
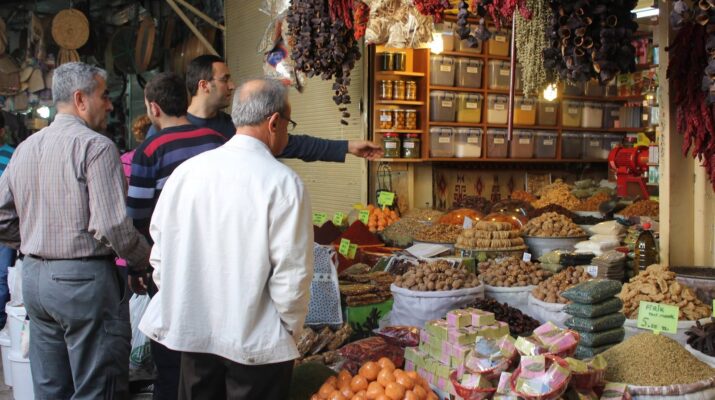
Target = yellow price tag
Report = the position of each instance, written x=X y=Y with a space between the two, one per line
x=338 y=218
x=364 y=216
x=658 y=317
x=344 y=247
x=352 y=251
x=319 y=218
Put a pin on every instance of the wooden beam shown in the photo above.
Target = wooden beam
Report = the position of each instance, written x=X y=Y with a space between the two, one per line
x=201 y=15
x=192 y=27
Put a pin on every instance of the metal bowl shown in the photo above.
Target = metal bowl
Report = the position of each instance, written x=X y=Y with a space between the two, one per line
x=539 y=246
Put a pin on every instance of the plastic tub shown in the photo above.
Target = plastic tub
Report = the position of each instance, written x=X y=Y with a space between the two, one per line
x=22 y=388
x=442 y=69
x=463 y=47
x=594 y=88
x=496 y=143
x=571 y=145
x=546 y=112
x=545 y=146
x=497 y=112
x=443 y=106
x=469 y=107
x=469 y=72
x=499 y=43
x=522 y=144
x=447 y=41
x=592 y=115
x=15 y=320
x=441 y=142
x=468 y=142
x=611 y=140
x=611 y=115
x=573 y=89
x=524 y=111
x=5 y=348
x=499 y=74
x=593 y=147
x=572 y=113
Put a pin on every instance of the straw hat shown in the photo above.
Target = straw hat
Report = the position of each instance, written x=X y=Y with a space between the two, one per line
x=70 y=29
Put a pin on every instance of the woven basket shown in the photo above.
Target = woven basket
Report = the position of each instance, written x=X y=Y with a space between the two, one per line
x=70 y=29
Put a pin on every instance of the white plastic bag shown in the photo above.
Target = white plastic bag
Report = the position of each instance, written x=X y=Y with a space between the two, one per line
x=608 y=228
x=140 y=355
x=517 y=297
x=543 y=311
x=16 y=286
x=414 y=308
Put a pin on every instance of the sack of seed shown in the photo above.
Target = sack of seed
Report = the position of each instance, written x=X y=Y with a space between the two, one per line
x=593 y=291
x=609 y=306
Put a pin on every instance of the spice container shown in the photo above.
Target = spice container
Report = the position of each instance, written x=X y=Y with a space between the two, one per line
x=499 y=74
x=399 y=61
x=496 y=143
x=441 y=142
x=592 y=115
x=411 y=90
x=469 y=72
x=524 y=111
x=442 y=70
x=498 y=44
x=469 y=107
x=611 y=115
x=410 y=119
x=496 y=109
x=545 y=145
x=611 y=140
x=385 y=90
x=447 y=41
x=574 y=88
x=385 y=119
x=400 y=118
x=546 y=113
x=443 y=106
x=468 y=142
x=594 y=88
x=571 y=145
x=463 y=46
x=398 y=93
x=593 y=147
x=391 y=145
x=411 y=146
x=571 y=114
x=386 y=61
x=522 y=144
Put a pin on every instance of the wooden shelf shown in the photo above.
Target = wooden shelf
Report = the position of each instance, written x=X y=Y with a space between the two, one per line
x=400 y=160
x=532 y=127
x=401 y=102
x=456 y=89
x=398 y=130
x=457 y=124
x=602 y=130
x=603 y=98
x=463 y=53
x=512 y=160
x=401 y=73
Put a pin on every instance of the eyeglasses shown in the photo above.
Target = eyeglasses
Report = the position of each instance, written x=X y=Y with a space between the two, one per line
x=292 y=123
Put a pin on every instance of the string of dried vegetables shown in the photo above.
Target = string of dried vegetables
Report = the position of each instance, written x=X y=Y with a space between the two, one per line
x=531 y=40
x=481 y=33
x=361 y=14
x=433 y=8
x=342 y=10
x=502 y=11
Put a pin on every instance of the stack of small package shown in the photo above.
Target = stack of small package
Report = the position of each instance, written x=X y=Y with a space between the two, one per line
x=445 y=343
x=595 y=315
x=609 y=265
x=548 y=339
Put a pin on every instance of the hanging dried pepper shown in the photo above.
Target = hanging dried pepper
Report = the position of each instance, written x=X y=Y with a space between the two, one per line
x=361 y=14
x=342 y=10
x=435 y=8
x=502 y=11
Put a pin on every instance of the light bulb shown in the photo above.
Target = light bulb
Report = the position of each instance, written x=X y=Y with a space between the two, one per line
x=551 y=92
x=437 y=44
x=43 y=112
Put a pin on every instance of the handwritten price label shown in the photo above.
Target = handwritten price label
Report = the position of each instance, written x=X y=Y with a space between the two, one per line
x=352 y=251
x=658 y=317
x=364 y=216
x=344 y=247
x=319 y=218
x=338 y=218
x=386 y=199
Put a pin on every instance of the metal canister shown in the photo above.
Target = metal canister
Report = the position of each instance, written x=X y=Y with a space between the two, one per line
x=387 y=61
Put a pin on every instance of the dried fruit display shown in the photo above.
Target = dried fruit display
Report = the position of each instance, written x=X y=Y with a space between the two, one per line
x=592 y=203
x=511 y=272
x=523 y=196
x=550 y=290
x=433 y=8
x=557 y=193
x=552 y=225
x=647 y=208
x=490 y=236
x=436 y=276
x=702 y=337
x=438 y=233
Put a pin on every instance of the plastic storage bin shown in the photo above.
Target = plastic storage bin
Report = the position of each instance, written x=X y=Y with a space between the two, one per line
x=571 y=145
x=497 y=112
x=524 y=111
x=497 y=146
x=463 y=47
x=443 y=106
x=592 y=115
x=545 y=145
x=611 y=140
x=593 y=147
x=593 y=88
x=547 y=112
x=571 y=115
x=469 y=72
x=522 y=144
x=441 y=142
x=498 y=44
x=442 y=69
x=574 y=89
x=611 y=115
x=499 y=74
x=469 y=107
x=468 y=142
x=448 y=41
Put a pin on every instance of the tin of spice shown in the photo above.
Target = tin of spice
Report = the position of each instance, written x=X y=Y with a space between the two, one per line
x=400 y=117
x=410 y=119
x=398 y=93
x=411 y=146
x=385 y=121
x=391 y=145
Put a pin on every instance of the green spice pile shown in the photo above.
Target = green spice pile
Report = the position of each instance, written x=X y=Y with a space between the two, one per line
x=653 y=360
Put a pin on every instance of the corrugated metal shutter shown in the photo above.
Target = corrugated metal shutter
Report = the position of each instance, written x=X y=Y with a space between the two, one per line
x=332 y=186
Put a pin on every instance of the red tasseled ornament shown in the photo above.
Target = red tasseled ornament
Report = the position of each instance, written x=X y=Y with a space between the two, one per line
x=361 y=14
x=435 y=8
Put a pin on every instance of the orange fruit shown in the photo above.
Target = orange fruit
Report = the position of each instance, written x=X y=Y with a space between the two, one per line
x=386 y=363
x=385 y=376
x=358 y=383
x=395 y=391
x=374 y=390
x=370 y=370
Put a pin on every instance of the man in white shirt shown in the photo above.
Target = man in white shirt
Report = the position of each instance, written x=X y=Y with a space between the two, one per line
x=233 y=258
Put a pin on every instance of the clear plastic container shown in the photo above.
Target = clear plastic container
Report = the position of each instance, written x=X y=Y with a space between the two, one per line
x=386 y=119
x=594 y=88
x=572 y=113
x=469 y=107
x=524 y=111
x=499 y=43
x=411 y=119
x=441 y=142
x=469 y=72
x=571 y=145
x=448 y=41
x=497 y=146
x=468 y=142
x=463 y=47
x=522 y=144
x=545 y=144
x=443 y=106
x=574 y=88
x=497 y=112
x=592 y=115
x=442 y=69
x=611 y=115
x=593 y=147
x=499 y=74
x=611 y=140
x=547 y=112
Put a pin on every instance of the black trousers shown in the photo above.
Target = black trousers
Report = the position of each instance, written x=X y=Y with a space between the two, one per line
x=168 y=364
x=211 y=377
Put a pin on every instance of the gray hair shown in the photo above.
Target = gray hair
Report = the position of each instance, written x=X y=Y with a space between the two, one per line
x=252 y=105
x=73 y=76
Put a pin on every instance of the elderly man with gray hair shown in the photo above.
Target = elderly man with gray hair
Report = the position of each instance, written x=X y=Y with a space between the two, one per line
x=232 y=229
x=62 y=204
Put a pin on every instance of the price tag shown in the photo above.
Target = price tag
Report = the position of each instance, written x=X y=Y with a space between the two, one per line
x=527 y=107
x=573 y=110
x=472 y=70
x=549 y=142
x=473 y=140
x=527 y=257
x=592 y=270
x=390 y=145
x=550 y=109
x=445 y=68
x=364 y=216
x=499 y=107
x=595 y=143
x=467 y=223
x=338 y=218
x=386 y=199
x=446 y=103
x=472 y=105
x=352 y=251
x=500 y=38
x=344 y=247
x=504 y=72
x=385 y=118
x=319 y=218
x=524 y=141
x=658 y=317
x=444 y=139
x=645 y=117
x=408 y=145
x=498 y=140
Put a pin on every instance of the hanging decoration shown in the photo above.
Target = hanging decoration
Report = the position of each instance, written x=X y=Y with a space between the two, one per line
x=480 y=33
x=432 y=8
x=398 y=24
x=502 y=11
x=531 y=40
x=70 y=29
x=591 y=39
x=361 y=14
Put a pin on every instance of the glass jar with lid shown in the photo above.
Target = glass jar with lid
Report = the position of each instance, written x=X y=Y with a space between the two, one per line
x=385 y=92
x=385 y=121
x=400 y=119
x=391 y=145
x=398 y=93
x=411 y=146
x=410 y=119
x=411 y=90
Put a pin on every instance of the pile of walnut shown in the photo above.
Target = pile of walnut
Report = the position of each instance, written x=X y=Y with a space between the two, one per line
x=510 y=272
x=436 y=276
x=550 y=290
x=552 y=224
x=490 y=236
x=658 y=285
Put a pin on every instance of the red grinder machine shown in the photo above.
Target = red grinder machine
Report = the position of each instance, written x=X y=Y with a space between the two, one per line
x=629 y=165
